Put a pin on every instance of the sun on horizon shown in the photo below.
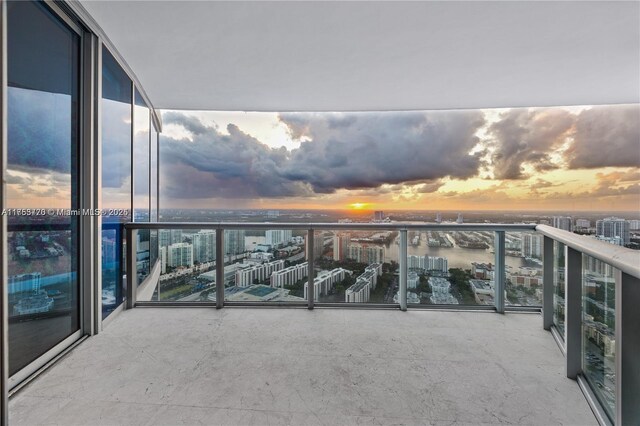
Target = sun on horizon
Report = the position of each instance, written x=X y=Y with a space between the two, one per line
x=359 y=206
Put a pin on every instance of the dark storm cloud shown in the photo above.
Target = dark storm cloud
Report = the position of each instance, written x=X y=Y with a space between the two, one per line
x=606 y=136
x=116 y=144
x=343 y=151
x=216 y=165
x=527 y=136
x=366 y=150
x=191 y=124
x=36 y=137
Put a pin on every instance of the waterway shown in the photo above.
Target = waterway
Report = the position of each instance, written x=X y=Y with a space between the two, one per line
x=457 y=257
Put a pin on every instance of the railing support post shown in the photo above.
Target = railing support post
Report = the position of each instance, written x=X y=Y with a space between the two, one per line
x=403 y=269
x=219 y=268
x=499 y=276
x=132 y=267
x=573 y=310
x=310 y=274
x=627 y=348
x=547 y=283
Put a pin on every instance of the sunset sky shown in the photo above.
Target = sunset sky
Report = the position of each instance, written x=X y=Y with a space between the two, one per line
x=565 y=158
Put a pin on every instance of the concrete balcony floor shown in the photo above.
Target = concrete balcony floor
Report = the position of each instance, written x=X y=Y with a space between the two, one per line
x=169 y=366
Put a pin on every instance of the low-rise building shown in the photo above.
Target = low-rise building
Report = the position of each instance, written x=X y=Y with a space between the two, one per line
x=257 y=273
x=482 y=271
x=289 y=276
x=324 y=282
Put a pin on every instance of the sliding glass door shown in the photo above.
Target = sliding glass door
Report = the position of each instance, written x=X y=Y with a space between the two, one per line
x=43 y=110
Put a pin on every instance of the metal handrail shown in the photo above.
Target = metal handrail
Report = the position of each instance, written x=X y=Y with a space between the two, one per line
x=320 y=226
x=622 y=258
x=627 y=260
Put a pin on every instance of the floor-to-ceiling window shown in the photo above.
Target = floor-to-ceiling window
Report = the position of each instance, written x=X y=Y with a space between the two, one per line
x=42 y=181
x=141 y=169
x=153 y=195
x=117 y=99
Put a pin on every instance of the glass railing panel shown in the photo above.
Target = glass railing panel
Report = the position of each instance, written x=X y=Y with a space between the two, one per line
x=265 y=266
x=187 y=265
x=356 y=266
x=598 y=330
x=558 y=286
x=143 y=254
x=523 y=267
x=451 y=267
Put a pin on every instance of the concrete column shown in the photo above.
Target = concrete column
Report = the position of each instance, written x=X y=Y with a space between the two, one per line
x=573 y=310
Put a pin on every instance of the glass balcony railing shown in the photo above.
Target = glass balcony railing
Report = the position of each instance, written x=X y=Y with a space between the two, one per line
x=598 y=330
x=407 y=265
x=558 y=287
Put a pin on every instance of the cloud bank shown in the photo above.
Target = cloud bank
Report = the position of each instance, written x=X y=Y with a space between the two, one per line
x=338 y=151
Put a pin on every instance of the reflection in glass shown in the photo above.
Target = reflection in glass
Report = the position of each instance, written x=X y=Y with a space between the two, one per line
x=116 y=177
x=598 y=330
x=153 y=196
x=42 y=148
x=141 y=193
x=558 y=286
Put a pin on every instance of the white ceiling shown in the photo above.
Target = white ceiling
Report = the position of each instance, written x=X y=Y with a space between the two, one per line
x=340 y=56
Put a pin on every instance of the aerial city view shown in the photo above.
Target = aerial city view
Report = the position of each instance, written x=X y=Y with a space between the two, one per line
x=445 y=267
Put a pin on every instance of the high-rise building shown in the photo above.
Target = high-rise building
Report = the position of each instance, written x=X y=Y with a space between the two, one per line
x=204 y=246
x=366 y=253
x=378 y=216
x=180 y=254
x=614 y=230
x=460 y=219
x=28 y=282
x=412 y=279
x=531 y=246
x=340 y=246
x=163 y=260
x=166 y=237
x=583 y=223
x=234 y=242
x=634 y=225
x=438 y=218
x=108 y=251
x=277 y=237
x=318 y=245
x=436 y=263
x=562 y=222
x=416 y=262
